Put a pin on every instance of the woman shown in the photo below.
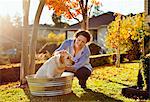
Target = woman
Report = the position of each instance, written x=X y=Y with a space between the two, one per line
x=80 y=51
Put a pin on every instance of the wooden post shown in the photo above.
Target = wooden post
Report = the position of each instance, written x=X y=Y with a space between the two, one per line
x=24 y=69
x=32 y=50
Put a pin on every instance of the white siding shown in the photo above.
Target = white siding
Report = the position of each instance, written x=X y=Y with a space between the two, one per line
x=70 y=34
x=101 y=36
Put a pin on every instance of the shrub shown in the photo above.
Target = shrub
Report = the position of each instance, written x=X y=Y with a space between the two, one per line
x=56 y=38
x=102 y=59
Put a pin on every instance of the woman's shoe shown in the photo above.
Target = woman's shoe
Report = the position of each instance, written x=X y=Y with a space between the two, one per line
x=83 y=86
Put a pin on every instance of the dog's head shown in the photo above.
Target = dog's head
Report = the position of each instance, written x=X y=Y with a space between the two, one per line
x=65 y=58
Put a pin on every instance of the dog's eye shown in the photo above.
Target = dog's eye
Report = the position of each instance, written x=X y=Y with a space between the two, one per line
x=67 y=57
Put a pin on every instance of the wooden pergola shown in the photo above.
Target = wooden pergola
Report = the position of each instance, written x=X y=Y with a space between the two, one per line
x=29 y=49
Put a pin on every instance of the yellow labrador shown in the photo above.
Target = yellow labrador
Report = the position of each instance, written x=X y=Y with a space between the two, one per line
x=55 y=65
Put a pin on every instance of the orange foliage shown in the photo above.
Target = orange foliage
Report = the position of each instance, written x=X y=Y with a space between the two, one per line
x=69 y=8
x=95 y=2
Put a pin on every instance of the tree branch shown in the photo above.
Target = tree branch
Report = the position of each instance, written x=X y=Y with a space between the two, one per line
x=90 y=10
x=81 y=6
x=73 y=16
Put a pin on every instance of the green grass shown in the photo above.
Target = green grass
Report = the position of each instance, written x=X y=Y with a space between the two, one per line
x=105 y=85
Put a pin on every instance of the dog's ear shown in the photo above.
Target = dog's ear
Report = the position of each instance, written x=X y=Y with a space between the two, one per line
x=61 y=59
x=55 y=53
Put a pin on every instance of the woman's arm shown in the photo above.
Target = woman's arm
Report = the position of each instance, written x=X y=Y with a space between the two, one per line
x=63 y=46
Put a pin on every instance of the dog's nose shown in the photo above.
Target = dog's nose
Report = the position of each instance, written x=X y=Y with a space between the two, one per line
x=73 y=62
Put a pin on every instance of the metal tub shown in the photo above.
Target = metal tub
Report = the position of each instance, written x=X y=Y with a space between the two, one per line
x=50 y=86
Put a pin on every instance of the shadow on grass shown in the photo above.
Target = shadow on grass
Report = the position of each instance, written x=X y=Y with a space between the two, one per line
x=88 y=96
x=96 y=96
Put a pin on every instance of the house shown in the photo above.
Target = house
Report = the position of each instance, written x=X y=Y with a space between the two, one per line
x=44 y=29
x=97 y=27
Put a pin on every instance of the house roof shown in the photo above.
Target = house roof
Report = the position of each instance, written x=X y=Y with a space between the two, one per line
x=50 y=27
x=96 y=22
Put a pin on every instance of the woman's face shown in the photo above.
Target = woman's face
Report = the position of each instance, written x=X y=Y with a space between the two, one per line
x=80 y=41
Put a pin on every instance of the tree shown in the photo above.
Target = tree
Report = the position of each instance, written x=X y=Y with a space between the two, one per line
x=17 y=21
x=57 y=21
x=12 y=34
x=5 y=24
x=122 y=31
x=75 y=9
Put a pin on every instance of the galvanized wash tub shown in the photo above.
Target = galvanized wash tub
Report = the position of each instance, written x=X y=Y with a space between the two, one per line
x=50 y=86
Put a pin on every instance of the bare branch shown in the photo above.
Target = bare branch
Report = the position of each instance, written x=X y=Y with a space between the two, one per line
x=90 y=10
x=73 y=16
x=81 y=6
x=86 y=7
x=86 y=4
x=82 y=3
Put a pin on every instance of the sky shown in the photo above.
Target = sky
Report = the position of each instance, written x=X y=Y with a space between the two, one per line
x=14 y=7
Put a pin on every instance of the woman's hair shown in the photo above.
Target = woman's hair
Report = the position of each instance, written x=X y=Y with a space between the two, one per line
x=84 y=33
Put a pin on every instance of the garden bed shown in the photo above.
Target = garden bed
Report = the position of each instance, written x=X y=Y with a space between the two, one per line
x=11 y=73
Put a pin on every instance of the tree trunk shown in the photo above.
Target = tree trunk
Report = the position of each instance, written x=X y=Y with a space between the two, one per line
x=118 y=48
x=84 y=8
x=118 y=57
x=32 y=50
x=85 y=22
x=24 y=69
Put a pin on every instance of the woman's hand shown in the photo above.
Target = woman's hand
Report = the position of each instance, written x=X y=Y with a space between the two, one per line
x=59 y=52
x=71 y=69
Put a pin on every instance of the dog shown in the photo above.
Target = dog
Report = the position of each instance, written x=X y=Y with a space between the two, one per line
x=55 y=65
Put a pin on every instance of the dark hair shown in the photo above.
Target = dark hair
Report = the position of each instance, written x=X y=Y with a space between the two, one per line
x=85 y=34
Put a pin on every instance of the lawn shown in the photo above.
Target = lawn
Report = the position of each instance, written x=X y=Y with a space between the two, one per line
x=104 y=85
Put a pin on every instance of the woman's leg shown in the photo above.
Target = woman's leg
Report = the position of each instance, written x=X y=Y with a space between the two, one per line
x=82 y=74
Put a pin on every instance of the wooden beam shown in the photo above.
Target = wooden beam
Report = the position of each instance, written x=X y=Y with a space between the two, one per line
x=32 y=49
x=24 y=69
